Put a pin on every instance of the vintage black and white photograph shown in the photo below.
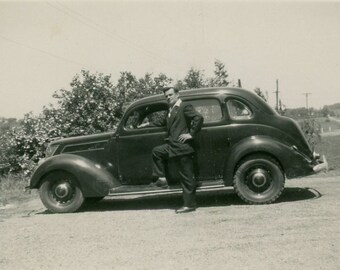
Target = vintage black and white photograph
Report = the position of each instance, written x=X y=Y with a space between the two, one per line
x=167 y=134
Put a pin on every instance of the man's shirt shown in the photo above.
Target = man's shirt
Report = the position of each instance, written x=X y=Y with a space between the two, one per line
x=177 y=104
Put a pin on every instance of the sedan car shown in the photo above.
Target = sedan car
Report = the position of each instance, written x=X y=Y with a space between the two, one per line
x=243 y=144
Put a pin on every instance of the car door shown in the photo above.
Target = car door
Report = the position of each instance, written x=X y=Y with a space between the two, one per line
x=212 y=142
x=135 y=143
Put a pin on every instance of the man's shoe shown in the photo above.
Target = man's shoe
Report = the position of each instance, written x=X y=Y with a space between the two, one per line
x=185 y=209
x=161 y=182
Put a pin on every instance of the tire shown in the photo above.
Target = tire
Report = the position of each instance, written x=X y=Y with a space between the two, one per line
x=60 y=193
x=259 y=180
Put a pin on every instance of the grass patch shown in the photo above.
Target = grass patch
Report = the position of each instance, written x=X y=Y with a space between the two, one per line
x=328 y=124
x=12 y=188
x=330 y=147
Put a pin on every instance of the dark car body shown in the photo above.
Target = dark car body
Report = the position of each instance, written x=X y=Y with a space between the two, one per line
x=240 y=130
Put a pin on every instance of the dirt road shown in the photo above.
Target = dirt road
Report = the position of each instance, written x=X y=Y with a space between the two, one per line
x=300 y=231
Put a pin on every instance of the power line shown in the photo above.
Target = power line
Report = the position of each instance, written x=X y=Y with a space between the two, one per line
x=42 y=51
x=90 y=23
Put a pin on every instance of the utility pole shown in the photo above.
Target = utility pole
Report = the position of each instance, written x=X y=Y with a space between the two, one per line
x=277 y=95
x=239 y=83
x=306 y=94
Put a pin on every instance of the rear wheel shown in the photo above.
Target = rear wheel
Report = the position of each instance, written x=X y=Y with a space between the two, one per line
x=259 y=180
x=60 y=193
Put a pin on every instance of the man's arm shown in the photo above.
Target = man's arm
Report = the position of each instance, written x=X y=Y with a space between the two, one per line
x=158 y=122
x=196 y=120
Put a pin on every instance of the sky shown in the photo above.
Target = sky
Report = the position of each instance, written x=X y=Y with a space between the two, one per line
x=44 y=44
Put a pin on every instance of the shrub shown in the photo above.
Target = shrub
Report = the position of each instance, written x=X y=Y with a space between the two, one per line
x=92 y=105
x=312 y=131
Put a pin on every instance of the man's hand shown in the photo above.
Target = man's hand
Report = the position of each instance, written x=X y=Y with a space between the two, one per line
x=143 y=125
x=184 y=137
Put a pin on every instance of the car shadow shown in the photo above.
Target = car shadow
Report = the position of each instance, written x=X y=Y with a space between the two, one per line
x=174 y=201
x=293 y=194
x=206 y=199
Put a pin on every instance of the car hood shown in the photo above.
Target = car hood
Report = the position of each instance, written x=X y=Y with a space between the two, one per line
x=84 y=138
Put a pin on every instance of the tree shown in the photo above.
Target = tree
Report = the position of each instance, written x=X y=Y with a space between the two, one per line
x=325 y=111
x=125 y=91
x=92 y=104
x=258 y=91
x=221 y=75
x=87 y=108
x=194 y=79
x=129 y=89
x=180 y=85
x=162 y=81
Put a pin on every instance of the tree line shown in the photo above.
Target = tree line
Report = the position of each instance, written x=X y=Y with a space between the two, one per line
x=93 y=104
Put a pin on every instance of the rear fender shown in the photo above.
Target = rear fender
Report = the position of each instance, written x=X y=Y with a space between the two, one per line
x=94 y=179
x=293 y=163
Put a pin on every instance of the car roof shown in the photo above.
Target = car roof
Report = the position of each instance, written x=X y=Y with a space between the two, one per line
x=211 y=91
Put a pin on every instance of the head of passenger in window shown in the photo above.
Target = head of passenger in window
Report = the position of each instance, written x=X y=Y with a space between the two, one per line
x=133 y=120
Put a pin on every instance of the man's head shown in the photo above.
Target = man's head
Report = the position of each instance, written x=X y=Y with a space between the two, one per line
x=171 y=94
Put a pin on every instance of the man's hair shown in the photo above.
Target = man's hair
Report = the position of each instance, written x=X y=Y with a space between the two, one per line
x=170 y=87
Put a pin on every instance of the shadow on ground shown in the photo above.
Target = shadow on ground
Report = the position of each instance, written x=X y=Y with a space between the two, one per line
x=207 y=199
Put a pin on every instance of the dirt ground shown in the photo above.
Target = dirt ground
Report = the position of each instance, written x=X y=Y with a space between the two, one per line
x=300 y=231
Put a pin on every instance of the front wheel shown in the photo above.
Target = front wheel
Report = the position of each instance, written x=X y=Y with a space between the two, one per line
x=259 y=180
x=60 y=193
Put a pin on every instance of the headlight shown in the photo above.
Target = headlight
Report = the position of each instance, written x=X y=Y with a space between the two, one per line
x=50 y=150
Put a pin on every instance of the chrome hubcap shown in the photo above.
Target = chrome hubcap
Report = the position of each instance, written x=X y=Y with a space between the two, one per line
x=63 y=190
x=259 y=178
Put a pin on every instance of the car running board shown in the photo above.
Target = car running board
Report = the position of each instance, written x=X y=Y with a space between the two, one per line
x=132 y=190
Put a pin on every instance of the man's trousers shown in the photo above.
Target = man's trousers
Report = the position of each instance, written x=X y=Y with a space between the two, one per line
x=185 y=166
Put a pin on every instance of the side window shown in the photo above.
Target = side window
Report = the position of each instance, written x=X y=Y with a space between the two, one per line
x=210 y=109
x=155 y=114
x=238 y=110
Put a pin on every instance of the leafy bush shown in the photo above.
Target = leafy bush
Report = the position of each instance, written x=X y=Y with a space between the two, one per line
x=312 y=131
x=92 y=105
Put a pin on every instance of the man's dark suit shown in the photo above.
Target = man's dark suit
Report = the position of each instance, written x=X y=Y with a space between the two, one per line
x=183 y=119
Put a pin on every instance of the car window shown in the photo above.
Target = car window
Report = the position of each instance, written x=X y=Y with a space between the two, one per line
x=147 y=114
x=210 y=109
x=238 y=110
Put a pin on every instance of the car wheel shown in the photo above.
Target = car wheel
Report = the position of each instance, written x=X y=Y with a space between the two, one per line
x=60 y=193
x=259 y=179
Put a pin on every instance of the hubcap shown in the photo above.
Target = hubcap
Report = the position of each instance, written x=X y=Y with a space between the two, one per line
x=63 y=190
x=259 y=178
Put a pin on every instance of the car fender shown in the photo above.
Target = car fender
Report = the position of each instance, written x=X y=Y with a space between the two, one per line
x=292 y=162
x=94 y=179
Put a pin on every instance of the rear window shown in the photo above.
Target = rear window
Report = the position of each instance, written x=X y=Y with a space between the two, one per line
x=210 y=109
x=238 y=110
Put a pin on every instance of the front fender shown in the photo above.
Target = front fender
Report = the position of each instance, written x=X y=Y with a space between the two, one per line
x=293 y=163
x=94 y=179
